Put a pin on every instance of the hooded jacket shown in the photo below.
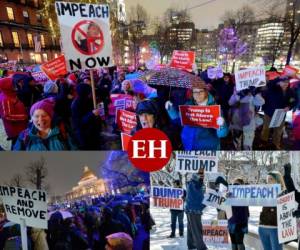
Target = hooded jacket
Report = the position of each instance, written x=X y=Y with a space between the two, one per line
x=195 y=190
x=199 y=138
x=12 y=110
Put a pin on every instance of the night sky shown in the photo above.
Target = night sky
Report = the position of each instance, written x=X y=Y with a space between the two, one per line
x=64 y=168
x=207 y=16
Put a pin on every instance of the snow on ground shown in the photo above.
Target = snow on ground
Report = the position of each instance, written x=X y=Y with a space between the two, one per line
x=162 y=217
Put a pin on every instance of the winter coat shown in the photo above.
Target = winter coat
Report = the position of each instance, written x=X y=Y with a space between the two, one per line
x=275 y=98
x=86 y=126
x=12 y=110
x=56 y=141
x=243 y=111
x=195 y=190
x=223 y=92
x=39 y=239
x=268 y=217
x=199 y=138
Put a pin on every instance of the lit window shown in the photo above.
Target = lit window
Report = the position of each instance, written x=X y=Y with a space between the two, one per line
x=30 y=40
x=1 y=40
x=10 y=13
x=45 y=57
x=36 y=3
x=15 y=37
x=23 y=1
x=43 y=41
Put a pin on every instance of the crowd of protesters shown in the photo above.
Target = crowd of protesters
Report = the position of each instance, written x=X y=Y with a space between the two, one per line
x=111 y=222
x=61 y=115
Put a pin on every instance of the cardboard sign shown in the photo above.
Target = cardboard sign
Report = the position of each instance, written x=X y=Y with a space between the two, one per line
x=120 y=101
x=85 y=31
x=55 y=68
x=277 y=118
x=27 y=204
x=192 y=161
x=200 y=116
x=250 y=77
x=287 y=224
x=125 y=138
x=183 y=60
x=215 y=199
x=125 y=120
x=167 y=197
x=39 y=76
x=215 y=72
x=215 y=232
x=253 y=195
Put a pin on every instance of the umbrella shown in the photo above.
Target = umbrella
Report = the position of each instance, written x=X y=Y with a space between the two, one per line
x=133 y=75
x=169 y=77
x=64 y=213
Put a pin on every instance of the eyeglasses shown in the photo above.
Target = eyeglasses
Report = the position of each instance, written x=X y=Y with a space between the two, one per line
x=198 y=92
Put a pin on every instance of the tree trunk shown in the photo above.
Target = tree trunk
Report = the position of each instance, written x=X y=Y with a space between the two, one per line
x=289 y=54
x=233 y=67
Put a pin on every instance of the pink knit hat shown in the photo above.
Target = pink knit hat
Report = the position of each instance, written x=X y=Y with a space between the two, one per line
x=47 y=105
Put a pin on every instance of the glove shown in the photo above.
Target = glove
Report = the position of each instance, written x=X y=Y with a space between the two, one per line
x=220 y=121
x=287 y=169
x=168 y=105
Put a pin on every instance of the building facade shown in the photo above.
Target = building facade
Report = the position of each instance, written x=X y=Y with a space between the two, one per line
x=24 y=36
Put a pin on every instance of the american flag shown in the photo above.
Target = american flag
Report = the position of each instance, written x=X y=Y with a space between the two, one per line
x=37 y=43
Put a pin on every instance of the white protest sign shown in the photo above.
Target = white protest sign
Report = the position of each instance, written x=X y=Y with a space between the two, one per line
x=215 y=232
x=250 y=77
x=215 y=72
x=85 y=33
x=277 y=118
x=167 y=197
x=253 y=195
x=287 y=224
x=26 y=204
x=215 y=199
x=192 y=161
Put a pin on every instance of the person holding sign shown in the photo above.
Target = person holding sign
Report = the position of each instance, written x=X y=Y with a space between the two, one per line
x=193 y=207
x=199 y=138
x=278 y=95
x=268 y=231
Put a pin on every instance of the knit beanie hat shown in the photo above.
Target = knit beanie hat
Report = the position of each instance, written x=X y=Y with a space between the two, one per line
x=50 y=87
x=47 y=105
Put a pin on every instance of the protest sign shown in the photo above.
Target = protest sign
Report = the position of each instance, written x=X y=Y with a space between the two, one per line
x=86 y=39
x=215 y=199
x=23 y=203
x=246 y=78
x=200 y=116
x=277 y=118
x=192 y=161
x=55 y=68
x=125 y=120
x=215 y=72
x=290 y=71
x=215 y=232
x=167 y=197
x=39 y=76
x=125 y=138
x=183 y=60
x=120 y=101
x=253 y=195
x=287 y=224
x=9 y=65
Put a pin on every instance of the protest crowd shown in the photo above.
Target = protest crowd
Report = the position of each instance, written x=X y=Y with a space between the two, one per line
x=111 y=222
x=195 y=111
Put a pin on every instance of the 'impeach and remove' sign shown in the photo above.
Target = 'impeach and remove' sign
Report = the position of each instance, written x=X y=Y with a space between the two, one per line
x=167 y=197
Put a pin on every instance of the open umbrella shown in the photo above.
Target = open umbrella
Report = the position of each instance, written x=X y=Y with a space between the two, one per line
x=169 y=77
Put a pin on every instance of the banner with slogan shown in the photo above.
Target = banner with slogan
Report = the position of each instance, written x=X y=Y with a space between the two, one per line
x=55 y=68
x=215 y=199
x=253 y=195
x=167 y=197
x=85 y=35
x=23 y=203
x=120 y=101
x=287 y=224
x=183 y=60
x=215 y=232
x=215 y=72
x=192 y=161
x=125 y=138
x=39 y=76
x=125 y=120
x=200 y=116
x=246 y=78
